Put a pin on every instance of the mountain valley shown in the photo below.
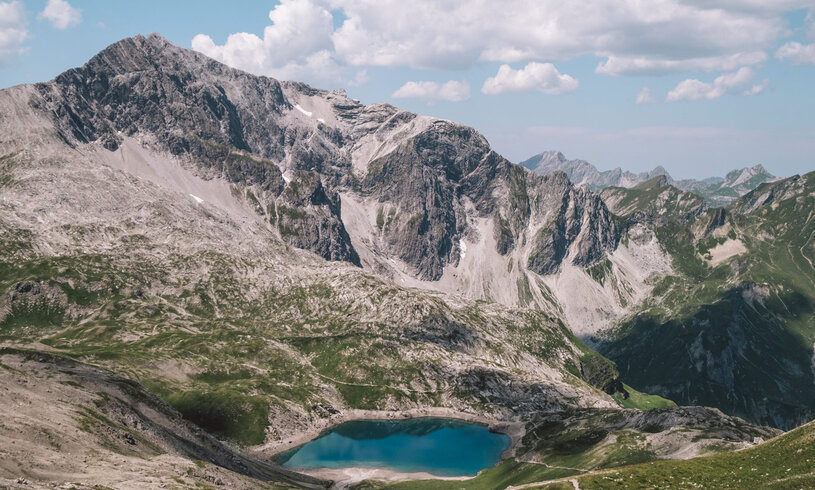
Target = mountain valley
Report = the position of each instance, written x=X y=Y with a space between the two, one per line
x=202 y=268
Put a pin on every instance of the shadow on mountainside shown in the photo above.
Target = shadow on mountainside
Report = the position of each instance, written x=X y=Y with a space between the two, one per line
x=735 y=354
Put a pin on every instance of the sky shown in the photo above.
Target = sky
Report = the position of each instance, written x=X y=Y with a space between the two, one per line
x=697 y=86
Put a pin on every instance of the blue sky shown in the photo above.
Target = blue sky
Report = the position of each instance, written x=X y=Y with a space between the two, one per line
x=730 y=83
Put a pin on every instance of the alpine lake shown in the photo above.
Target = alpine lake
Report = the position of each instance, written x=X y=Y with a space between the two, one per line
x=439 y=446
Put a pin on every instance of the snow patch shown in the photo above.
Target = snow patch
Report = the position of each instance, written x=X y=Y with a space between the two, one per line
x=297 y=106
x=197 y=199
x=463 y=247
x=286 y=178
x=319 y=119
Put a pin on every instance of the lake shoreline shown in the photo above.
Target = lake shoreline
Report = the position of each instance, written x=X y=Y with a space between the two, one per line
x=515 y=429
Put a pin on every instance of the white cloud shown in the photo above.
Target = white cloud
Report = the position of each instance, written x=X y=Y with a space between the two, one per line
x=633 y=37
x=534 y=77
x=665 y=31
x=61 y=14
x=647 y=66
x=645 y=97
x=693 y=89
x=758 y=88
x=453 y=91
x=296 y=46
x=13 y=29
x=799 y=54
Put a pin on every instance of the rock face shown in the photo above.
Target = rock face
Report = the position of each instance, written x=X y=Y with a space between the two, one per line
x=299 y=149
x=308 y=217
x=582 y=228
x=229 y=123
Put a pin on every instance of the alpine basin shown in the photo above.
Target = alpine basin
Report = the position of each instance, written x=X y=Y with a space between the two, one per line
x=443 y=447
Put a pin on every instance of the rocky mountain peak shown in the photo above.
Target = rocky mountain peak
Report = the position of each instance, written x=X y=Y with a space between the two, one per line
x=301 y=153
x=140 y=53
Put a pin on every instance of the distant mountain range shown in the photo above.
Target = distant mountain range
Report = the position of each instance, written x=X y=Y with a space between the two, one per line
x=716 y=191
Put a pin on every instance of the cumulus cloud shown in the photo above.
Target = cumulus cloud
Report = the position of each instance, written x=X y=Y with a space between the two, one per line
x=645 y=97
x=61 y=14
x=633 y=37
x=797 y=53
x=534 y=77
x=297 y=45
x=453 y=91
x=13 y=29
x=668 y=31
x=693 y=89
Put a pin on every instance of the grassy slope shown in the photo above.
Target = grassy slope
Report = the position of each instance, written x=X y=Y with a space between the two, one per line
x=787 y=461
x=86 y=423
x=221 y=356
x=641 y=401
x=508 y=472
x=655 y=198
x=554 y=447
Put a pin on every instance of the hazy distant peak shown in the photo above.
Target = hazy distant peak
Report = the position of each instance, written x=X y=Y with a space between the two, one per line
x=717 y=191
x=583 y=173
x=660 y=170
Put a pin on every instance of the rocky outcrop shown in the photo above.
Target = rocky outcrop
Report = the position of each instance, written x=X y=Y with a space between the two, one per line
x=421 y=179
x=309 y=217
x=582 y=228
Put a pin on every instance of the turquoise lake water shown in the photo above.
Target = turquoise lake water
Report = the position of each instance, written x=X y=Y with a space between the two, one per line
x=443 y=447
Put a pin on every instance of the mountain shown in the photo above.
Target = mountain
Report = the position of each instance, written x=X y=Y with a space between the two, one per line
x=264 y=259
x=732 y=327
x=582 y=173
x=716 y=191
x=656 y=199
x=721 y=192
